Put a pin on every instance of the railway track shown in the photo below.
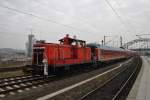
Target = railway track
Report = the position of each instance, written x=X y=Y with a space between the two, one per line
x=13 y=85
x=78 y=89
x=10 y=69
x=14 y=78
x=116 y=88
x=19 y=83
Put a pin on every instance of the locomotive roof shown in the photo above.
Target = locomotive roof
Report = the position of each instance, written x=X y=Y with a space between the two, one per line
x=104 y=47
x=73 y=40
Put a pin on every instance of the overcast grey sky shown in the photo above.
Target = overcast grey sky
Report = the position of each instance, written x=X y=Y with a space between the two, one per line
x=87 y=19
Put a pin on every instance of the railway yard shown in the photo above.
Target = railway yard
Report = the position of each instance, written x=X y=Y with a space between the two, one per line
x=73 y=70
x=112 y=81
x=74 y=50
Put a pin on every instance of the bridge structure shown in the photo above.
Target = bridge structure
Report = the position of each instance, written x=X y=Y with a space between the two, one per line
x=141 y=45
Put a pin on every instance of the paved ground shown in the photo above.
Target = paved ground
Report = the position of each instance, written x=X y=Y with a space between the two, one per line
x=141 y=88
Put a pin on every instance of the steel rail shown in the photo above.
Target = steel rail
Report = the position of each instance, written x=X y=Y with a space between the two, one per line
x=127 y=81
x=33 y=82
x=120 y=90
x=83 y=97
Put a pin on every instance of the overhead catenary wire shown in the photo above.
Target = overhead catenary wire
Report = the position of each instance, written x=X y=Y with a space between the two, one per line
x=81 y=19
x=52 y=21
x=41 y=18
x=127 y=21
x=116 y=13
x=65 y=25
x=113 y=38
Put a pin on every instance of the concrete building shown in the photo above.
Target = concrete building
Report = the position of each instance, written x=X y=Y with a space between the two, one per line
x=29 y=45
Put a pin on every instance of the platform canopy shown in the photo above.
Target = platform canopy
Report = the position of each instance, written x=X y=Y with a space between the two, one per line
x=126 y=45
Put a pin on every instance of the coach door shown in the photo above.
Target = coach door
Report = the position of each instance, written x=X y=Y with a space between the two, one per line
x=93 y=53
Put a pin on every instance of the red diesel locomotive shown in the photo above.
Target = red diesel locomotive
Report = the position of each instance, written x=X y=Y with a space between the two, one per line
x=48 y=57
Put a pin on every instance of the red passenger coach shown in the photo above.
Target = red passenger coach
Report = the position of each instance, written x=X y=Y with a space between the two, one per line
x=69 y=52
x=106 y=53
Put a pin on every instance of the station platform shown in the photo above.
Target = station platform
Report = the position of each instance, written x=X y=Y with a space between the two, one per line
x=141 y=87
